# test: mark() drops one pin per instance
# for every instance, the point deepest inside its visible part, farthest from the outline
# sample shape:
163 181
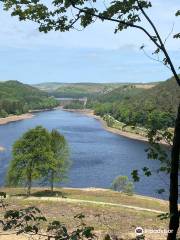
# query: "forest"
17 98
155 107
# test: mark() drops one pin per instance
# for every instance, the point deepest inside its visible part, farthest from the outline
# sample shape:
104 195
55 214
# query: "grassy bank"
105 210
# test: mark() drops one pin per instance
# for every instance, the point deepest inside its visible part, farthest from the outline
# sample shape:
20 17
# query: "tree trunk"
29 184
173 196
52 181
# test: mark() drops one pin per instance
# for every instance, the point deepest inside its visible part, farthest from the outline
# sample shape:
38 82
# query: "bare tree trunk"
29 184
173 196
52 181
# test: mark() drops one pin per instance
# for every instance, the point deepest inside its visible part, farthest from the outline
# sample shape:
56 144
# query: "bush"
122 184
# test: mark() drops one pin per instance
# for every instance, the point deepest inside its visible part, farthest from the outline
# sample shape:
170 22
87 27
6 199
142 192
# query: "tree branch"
119 21
161 44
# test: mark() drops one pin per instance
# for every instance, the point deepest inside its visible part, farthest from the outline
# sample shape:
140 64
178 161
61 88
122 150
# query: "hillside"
120 93
79 90
131 105
18 98
164 97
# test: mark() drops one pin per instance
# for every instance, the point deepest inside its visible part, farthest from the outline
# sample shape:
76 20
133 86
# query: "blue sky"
93 55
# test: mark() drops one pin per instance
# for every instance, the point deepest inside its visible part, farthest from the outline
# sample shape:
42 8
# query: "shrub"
122 184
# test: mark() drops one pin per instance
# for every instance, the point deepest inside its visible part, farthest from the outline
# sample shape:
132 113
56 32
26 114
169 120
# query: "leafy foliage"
56 172
122 183
75 104
31 157
38 155
59 19
26 220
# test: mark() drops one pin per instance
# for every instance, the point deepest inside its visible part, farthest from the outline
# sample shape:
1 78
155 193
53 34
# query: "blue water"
97 155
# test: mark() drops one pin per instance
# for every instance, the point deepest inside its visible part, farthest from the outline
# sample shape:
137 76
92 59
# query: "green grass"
91 195
104 218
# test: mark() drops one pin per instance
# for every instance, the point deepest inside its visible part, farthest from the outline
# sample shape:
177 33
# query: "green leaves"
58 230
61 18
177 13
2 195
122 184
27 220
135 175
164 216
146 171
87 16
177 35
35 154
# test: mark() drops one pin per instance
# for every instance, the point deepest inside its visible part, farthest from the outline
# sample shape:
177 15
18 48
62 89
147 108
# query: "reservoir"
97 155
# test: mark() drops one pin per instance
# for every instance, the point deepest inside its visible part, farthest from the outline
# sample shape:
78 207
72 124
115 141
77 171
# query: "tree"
31 157
122 184
59 167
125 14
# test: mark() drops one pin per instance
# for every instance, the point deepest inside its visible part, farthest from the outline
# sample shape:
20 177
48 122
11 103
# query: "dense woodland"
155 107
18 98
76 104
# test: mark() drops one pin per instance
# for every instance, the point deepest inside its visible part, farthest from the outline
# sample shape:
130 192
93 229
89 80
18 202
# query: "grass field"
107 211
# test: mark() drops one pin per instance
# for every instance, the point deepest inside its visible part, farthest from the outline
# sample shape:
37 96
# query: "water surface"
98 156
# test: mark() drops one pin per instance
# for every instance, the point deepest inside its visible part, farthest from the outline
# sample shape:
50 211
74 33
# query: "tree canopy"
57 172
38 155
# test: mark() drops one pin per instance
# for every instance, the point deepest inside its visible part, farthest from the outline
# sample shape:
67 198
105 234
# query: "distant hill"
17 98
49 86
120 93
163 97
79 90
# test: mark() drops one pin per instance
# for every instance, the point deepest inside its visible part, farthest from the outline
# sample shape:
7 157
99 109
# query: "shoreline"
14 118
28 115
90 113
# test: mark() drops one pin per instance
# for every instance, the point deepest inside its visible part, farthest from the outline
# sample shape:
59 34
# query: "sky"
95 54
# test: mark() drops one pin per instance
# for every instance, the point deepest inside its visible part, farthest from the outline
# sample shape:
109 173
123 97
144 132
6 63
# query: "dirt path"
70 200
